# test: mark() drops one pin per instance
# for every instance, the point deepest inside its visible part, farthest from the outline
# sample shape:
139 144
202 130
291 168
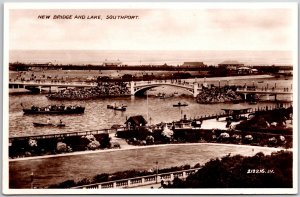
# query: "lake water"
57 169
97 116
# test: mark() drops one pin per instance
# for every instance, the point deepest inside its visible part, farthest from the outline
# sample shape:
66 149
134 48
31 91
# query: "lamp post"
147 107
181 114
31 180
156 170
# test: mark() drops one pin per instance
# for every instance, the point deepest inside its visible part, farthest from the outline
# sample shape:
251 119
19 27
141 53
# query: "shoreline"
131 147
238 77
206 79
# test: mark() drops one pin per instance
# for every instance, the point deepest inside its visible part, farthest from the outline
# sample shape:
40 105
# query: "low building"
112 63
135 121
244 70
235 112
254 70
231 65
193 64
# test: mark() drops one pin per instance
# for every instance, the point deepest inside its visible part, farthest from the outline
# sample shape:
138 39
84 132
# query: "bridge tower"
196 92
132 88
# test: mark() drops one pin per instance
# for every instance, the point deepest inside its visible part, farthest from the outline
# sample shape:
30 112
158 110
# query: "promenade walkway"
23 84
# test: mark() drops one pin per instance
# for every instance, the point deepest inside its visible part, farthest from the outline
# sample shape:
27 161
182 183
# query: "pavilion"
236 111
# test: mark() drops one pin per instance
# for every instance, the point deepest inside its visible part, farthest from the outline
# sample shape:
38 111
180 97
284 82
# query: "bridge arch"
141 89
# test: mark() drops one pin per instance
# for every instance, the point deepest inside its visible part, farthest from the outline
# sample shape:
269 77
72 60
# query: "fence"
140 181
250 110
62 135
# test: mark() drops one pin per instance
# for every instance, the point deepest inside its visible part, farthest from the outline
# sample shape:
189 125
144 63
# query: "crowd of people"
217 95
55 108
103 89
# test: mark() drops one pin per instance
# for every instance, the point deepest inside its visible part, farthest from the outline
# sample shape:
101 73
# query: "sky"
154 29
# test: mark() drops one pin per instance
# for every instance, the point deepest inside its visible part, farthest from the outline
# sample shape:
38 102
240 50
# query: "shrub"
61 147
32 143
236 172
93 145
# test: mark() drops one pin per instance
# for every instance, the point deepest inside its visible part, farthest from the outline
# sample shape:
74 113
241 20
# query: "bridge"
37 85
265 91
136 88
139 88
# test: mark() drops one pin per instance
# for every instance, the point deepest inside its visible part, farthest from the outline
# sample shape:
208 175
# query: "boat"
252 103
122 108
159 94
164 96
110 107
179 104
118 108
37 124
54 109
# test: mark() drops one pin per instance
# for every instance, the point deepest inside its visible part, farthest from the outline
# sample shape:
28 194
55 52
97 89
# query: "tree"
259 171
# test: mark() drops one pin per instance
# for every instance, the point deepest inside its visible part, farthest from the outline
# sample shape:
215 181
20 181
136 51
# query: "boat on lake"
55 109
117 108
179 104
37 124
252 102
164 96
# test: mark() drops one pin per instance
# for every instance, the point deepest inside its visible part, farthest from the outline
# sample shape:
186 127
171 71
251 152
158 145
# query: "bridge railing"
265 89
50 83
250 110
140 181
161 82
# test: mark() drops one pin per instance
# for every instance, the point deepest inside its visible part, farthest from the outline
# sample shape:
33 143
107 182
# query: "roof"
193 62
231 62
136 119
244 68
112 62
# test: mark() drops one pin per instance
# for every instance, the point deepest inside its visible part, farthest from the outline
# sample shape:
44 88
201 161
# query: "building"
112 63
135 121
254 70
244 70
193 64
236 111
231 65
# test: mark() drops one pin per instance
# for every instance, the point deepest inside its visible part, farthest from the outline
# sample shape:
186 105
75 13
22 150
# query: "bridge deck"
264 91
49 84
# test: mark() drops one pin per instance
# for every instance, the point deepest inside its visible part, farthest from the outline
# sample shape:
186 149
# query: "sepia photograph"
150 98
